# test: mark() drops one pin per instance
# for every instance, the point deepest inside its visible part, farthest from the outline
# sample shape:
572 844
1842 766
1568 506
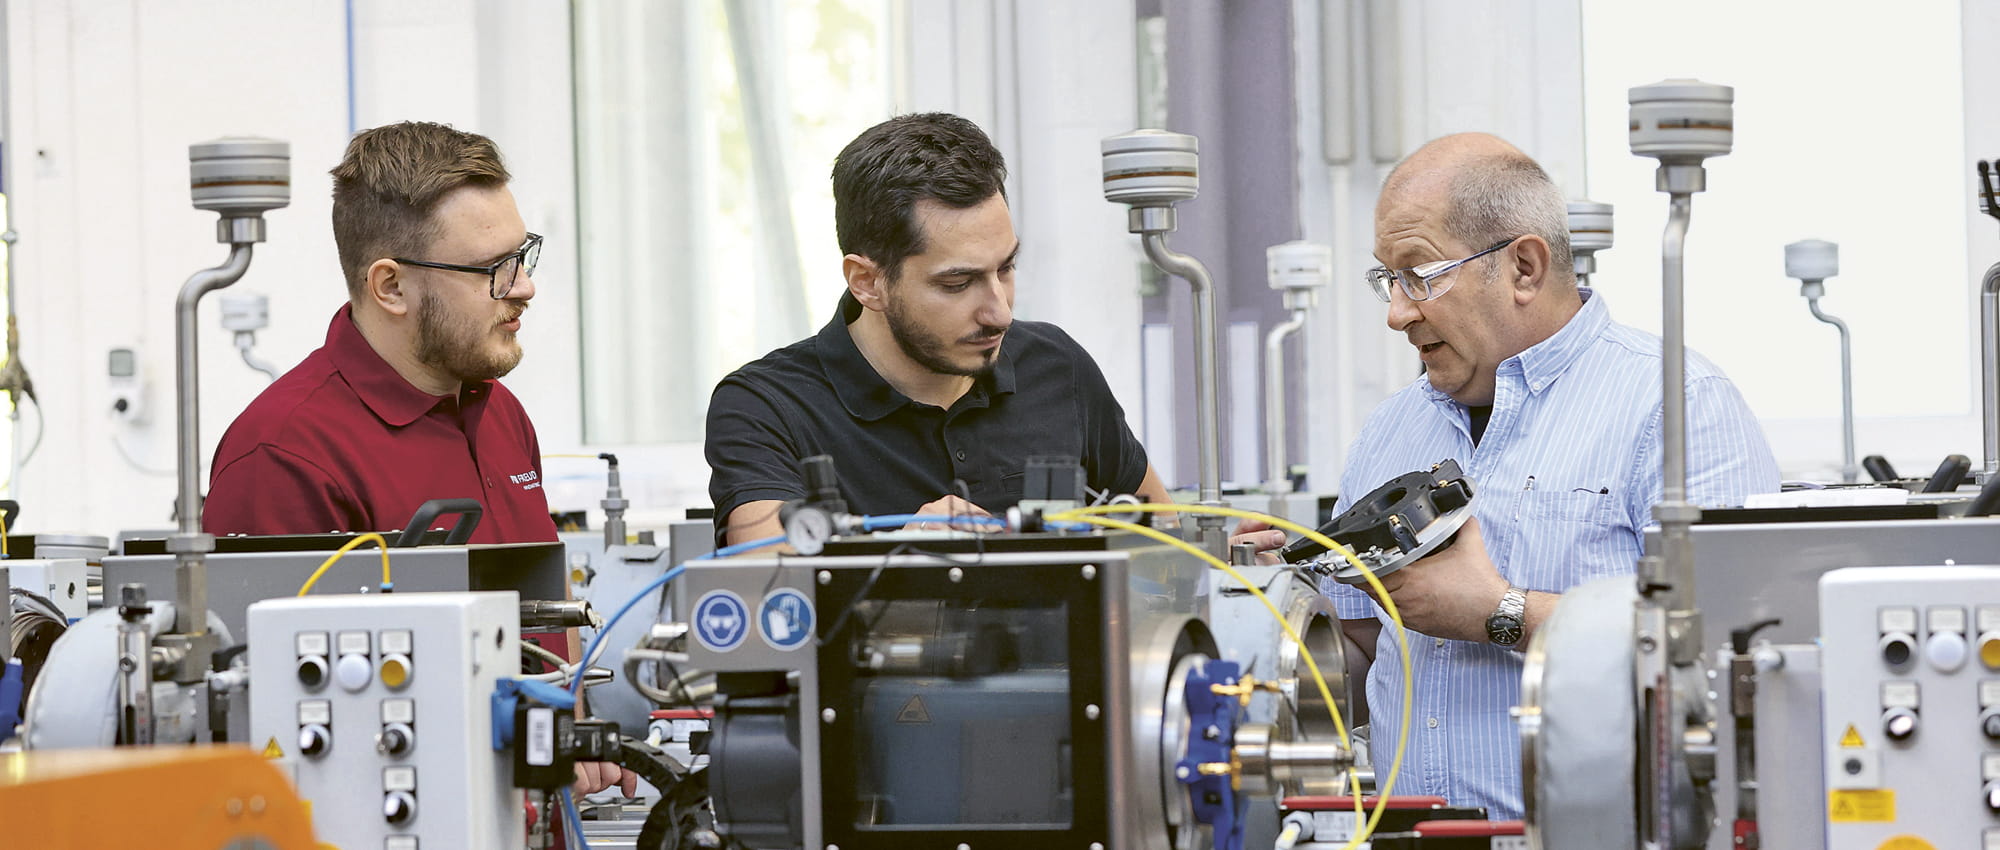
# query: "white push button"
353 672
1946 651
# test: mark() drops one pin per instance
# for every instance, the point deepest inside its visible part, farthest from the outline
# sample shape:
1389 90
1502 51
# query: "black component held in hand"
1878 468
1391 516
1949 474
468 510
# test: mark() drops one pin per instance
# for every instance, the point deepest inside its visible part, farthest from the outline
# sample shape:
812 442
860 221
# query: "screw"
826 715
1648 643
1211 734
1089 572
1853 767
1091 711
1096 846
964 847
1181 772
825 576
956 575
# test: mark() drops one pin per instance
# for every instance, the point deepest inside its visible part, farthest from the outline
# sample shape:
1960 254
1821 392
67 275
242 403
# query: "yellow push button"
395 671
1989 650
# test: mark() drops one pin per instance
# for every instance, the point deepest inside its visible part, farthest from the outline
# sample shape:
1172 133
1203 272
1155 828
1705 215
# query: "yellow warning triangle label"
914 712
1852 740
271 749
1843 810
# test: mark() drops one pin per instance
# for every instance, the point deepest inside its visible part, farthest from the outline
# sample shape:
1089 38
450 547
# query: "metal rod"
189 544
1673 337
1208 414
1276 473
1849 471
1989 366
135 668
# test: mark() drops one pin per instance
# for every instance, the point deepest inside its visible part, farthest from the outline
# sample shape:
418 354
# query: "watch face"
1502 630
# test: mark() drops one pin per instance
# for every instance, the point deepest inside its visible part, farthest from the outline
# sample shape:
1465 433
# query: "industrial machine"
1795 678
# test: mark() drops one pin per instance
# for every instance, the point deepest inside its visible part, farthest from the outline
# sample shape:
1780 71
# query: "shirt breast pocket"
1563 537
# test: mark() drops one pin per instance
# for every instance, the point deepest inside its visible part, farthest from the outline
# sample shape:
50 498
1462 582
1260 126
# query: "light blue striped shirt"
1566 476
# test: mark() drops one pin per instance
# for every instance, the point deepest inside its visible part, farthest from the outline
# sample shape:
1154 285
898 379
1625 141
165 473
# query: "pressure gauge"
808 529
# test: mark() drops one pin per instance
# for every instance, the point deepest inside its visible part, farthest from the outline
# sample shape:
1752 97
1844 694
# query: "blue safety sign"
721 621
785 620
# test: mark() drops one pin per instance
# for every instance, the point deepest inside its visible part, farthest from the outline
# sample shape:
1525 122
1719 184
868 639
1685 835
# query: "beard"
457 345
932 351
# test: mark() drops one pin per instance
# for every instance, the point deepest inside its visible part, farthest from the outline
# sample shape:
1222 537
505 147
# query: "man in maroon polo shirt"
402 404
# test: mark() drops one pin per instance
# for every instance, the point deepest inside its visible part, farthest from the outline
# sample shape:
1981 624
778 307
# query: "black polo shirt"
1044 396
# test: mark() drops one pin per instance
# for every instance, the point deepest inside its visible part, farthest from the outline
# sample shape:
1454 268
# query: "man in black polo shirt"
923 379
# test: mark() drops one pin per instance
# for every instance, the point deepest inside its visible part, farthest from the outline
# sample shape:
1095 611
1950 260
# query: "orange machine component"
198 798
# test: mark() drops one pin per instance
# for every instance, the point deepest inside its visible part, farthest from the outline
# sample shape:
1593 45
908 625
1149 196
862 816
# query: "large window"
706 131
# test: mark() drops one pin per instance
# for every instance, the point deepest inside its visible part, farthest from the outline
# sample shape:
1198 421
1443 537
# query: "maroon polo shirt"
343 443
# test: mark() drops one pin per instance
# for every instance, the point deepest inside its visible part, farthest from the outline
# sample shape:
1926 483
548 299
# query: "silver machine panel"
238 579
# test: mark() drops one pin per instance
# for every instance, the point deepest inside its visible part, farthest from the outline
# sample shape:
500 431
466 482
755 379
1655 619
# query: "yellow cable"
3 535
1090 514
351 545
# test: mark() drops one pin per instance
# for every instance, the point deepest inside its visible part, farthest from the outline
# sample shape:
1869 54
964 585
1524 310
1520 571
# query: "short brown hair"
391 180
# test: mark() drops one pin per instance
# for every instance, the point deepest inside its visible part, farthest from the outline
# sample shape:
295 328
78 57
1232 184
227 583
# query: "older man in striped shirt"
1553 408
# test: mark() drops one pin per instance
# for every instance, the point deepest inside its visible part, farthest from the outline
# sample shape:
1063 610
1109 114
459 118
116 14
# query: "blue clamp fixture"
1208 770
10 697
507 693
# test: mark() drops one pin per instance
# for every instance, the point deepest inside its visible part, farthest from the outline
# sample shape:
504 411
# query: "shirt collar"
394 400
863 391
1542 363
1546 361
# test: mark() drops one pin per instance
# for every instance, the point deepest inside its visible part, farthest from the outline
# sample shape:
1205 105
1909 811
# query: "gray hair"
1500 197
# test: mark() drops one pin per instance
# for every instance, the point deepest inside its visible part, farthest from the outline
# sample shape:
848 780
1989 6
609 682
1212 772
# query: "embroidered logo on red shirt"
528 480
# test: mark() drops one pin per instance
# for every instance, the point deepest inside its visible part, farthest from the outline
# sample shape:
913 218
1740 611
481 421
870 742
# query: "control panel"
1911 713
377 706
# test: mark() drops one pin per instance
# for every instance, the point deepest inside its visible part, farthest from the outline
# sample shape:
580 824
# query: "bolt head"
956 575
1089 572
825 576
826 715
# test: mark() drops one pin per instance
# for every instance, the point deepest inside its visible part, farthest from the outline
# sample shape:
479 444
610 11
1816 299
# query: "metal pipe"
1849 471
246 345
189 543
1673 338
1207 409
1989 367
1276 473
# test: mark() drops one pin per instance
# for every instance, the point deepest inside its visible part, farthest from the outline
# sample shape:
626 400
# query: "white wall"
1868 154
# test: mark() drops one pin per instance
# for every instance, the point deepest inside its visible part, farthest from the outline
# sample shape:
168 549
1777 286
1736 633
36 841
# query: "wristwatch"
1503 628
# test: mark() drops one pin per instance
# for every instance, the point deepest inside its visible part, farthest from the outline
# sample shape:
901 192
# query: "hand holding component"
1450 593
1260 534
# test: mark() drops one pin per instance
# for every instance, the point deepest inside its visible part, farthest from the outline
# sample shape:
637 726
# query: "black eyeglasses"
500 276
